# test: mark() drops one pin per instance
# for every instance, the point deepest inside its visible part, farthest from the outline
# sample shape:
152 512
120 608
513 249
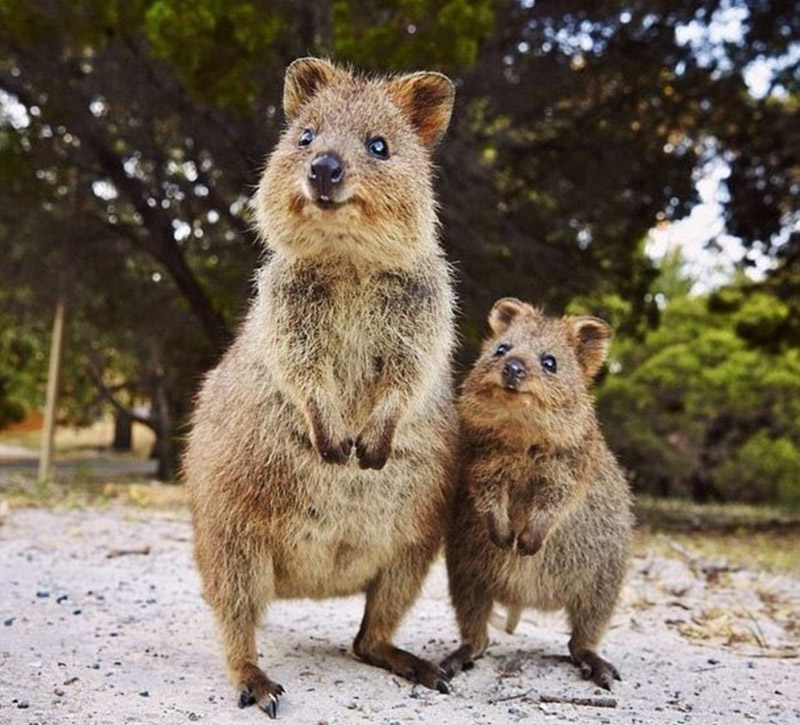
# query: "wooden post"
51 404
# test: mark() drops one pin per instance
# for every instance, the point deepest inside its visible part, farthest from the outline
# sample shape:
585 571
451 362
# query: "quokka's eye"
378 148
306 137
549 363
502 349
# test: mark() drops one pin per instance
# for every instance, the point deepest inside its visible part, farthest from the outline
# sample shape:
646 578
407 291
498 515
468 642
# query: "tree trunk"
123 431
51 405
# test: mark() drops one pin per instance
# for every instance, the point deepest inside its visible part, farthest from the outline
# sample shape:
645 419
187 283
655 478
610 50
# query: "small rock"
713 661
42 594
8 622
144 693
193 717
77 611
23 704
62 598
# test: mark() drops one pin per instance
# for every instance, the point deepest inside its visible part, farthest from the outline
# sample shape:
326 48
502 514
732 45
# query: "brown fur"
320 461
542 515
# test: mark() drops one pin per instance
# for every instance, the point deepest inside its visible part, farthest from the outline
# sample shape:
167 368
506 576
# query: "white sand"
90 639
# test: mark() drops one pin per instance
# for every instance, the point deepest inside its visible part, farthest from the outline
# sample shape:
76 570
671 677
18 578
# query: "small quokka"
321 458
542 516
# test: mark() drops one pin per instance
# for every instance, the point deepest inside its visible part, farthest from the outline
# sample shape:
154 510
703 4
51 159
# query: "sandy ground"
88 638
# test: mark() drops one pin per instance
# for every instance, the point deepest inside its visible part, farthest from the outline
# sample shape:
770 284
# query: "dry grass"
23 491
72 442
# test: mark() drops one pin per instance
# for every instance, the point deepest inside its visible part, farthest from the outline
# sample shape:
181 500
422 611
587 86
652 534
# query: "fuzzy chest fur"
358 331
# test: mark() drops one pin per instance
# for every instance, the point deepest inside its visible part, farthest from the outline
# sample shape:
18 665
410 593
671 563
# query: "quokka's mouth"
328 204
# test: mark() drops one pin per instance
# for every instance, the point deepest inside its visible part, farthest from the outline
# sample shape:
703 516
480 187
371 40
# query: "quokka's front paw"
333 447
374 444
531 538
499 528
336 452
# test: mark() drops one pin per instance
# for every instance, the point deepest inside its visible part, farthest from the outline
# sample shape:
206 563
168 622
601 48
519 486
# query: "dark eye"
378 148
502 349
306 137
548 363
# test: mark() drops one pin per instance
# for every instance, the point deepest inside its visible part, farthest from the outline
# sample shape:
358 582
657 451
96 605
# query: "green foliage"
411 34
763 469
699 408
22 366
216 45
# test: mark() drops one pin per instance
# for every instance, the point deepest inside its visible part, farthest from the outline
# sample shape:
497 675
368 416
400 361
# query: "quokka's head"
533 367
351 174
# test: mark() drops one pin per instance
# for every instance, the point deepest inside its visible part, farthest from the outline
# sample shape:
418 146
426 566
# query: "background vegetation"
132 133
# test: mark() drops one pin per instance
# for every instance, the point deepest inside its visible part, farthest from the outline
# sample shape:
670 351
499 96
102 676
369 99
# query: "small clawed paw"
500 532
432 677
373 457
336 453
601 672
458 661
259 690
530 541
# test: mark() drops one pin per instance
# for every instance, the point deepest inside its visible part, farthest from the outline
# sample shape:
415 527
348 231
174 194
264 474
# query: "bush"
763 469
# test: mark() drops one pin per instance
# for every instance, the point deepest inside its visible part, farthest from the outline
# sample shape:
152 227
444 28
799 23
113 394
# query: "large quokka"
321 456
542 514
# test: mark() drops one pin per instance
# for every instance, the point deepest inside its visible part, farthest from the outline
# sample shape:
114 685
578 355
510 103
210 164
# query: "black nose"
513 372
326 172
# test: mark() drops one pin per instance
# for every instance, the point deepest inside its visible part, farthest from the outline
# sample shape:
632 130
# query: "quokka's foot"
458 661
255 688
409 666
595 668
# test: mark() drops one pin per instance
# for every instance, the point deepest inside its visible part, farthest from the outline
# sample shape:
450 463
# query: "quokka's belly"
529 581
338 541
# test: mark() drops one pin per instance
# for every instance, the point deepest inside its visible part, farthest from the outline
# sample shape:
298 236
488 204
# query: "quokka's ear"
427 101
591 337
305 77
503 313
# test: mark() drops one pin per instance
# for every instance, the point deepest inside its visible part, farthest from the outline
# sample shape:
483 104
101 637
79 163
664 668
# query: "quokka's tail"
513 614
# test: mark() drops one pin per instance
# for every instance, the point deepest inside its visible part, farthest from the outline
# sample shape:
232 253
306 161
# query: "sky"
710 254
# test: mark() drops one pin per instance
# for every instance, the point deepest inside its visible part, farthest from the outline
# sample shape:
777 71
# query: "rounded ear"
427 100
503 313
591 338
304 78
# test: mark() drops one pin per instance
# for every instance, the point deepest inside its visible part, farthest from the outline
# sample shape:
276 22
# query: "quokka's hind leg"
389 597
473 602
239 585
589 617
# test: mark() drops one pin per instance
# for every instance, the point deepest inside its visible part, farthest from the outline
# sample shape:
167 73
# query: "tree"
132 133
702 407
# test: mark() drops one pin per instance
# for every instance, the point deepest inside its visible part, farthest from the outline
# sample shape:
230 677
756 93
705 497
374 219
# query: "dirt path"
85 638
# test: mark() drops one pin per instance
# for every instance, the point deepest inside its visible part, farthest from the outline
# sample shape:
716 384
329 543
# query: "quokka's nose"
325 173
513 372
